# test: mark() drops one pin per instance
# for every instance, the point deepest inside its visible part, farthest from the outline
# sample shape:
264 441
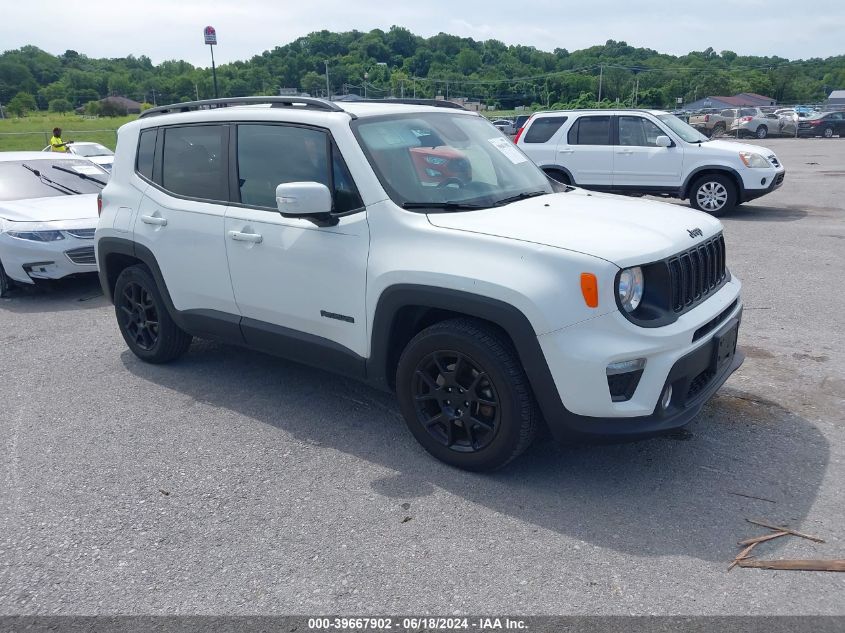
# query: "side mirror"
307 200
663 141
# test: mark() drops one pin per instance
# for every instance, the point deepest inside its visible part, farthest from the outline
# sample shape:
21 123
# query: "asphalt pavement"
236 483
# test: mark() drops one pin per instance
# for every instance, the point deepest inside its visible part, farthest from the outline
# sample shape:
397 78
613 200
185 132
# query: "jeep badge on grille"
696 232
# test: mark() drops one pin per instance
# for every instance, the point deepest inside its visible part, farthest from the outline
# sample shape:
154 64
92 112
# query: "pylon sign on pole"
210 35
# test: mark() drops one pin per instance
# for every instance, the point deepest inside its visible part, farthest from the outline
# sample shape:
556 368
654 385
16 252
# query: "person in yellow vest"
56 142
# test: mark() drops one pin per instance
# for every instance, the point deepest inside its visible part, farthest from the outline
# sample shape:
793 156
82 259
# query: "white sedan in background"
48 214
94 152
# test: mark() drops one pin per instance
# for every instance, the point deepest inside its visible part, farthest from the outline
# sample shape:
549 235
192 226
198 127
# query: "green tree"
60 105
21 104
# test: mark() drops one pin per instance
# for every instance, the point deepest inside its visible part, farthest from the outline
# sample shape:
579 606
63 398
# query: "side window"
637 131
727 113
269 155
345 194
590 130
544 128
193 163
146 153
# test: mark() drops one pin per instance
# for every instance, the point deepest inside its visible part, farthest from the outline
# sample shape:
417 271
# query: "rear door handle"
255 238
625 151
154 219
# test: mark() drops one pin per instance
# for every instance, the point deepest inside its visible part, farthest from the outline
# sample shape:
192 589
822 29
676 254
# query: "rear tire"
718 130
762 132
828 132
465 396
714 194
144 321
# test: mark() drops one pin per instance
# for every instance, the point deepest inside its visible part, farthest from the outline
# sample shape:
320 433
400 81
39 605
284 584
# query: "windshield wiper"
459 206
81 175
51 183
521 196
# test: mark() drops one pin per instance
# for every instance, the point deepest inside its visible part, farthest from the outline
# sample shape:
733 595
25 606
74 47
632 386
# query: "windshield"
19 183
447 160
93 149
686 132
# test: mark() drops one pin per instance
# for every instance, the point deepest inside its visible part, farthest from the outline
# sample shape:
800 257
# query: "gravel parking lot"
232 482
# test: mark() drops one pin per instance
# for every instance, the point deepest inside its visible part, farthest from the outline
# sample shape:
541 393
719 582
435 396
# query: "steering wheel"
449 182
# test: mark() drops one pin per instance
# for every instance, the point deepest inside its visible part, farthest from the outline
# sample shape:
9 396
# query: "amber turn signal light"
590 289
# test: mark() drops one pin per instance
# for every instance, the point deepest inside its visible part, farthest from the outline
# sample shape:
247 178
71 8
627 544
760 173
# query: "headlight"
37 236
753 160
630 287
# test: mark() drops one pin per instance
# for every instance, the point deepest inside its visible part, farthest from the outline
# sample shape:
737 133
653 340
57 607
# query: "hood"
52 209
625 231
735 148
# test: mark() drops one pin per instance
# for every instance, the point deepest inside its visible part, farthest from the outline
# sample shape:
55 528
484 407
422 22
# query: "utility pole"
197 90
601 76
415 87
328 87
210 36
366 77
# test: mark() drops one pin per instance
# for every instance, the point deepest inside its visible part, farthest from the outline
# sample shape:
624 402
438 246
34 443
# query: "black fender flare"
548 168
509 318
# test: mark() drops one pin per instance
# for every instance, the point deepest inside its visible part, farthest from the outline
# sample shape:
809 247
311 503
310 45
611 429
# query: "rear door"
639 162
180 218
587 151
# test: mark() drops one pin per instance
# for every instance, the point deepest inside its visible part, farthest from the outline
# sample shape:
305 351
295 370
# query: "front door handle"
255 238
625 151
567 150
154 220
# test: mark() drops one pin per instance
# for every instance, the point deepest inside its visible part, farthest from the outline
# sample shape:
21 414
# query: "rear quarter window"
146 153
543 129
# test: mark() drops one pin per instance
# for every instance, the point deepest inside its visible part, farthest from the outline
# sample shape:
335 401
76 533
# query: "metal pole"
601 76
213 70
328 88
415 87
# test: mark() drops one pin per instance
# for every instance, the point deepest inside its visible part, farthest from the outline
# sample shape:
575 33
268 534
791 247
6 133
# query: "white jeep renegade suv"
648 152
416 248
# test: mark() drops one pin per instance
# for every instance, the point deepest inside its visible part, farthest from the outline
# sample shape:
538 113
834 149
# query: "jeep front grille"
695 273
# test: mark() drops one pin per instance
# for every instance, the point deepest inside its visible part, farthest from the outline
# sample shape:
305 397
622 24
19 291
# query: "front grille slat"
695 273
82 256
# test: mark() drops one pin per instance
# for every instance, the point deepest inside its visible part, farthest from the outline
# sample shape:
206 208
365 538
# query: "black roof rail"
437 103
276 102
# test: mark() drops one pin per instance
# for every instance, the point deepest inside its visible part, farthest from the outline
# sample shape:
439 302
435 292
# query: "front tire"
714 194
144 321
5 283
465 396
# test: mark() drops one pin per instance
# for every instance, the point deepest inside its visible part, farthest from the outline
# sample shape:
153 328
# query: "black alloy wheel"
139 315
465 396
456 402
143 318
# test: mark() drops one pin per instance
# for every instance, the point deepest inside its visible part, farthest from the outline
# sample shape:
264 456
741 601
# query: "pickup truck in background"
717 124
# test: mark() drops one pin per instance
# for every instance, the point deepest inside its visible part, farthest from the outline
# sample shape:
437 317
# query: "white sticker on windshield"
88 170
508 149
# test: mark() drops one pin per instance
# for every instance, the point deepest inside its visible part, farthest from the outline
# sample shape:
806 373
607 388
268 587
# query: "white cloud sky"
172 29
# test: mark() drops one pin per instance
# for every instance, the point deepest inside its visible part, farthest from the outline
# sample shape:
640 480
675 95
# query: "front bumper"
774 180
25 260
677 354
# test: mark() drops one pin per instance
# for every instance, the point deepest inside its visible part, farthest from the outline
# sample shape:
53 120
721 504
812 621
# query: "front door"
639 162
296 284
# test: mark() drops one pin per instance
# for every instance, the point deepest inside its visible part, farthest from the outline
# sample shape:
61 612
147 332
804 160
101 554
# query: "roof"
123 102
837 94
743 99
604 111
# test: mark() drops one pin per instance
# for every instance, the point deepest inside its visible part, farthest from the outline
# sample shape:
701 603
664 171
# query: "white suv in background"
648 152
417 249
